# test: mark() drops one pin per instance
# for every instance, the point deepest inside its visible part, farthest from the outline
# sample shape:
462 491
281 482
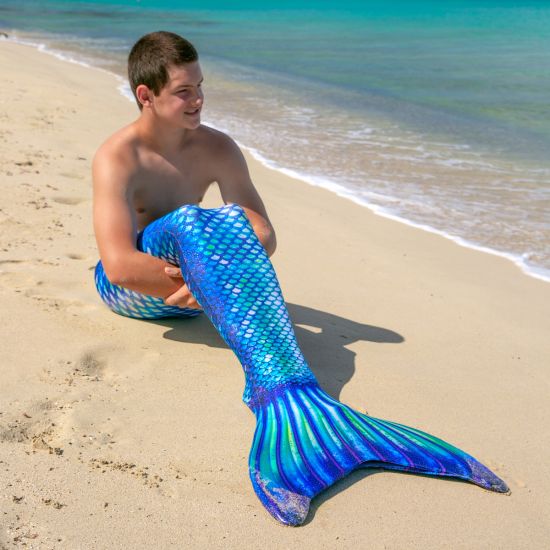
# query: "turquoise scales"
304 439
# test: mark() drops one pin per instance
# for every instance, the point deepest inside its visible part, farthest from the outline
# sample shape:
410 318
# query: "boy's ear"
144 95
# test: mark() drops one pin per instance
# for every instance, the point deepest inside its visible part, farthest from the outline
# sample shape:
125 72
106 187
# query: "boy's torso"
159 184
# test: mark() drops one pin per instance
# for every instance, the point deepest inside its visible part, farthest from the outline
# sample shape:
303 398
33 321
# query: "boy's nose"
199 98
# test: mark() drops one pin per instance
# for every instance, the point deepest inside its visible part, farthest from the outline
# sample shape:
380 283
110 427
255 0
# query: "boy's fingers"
173 271
182 298
177 297
192 303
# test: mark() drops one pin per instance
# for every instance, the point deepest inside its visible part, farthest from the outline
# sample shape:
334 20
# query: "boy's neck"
160 138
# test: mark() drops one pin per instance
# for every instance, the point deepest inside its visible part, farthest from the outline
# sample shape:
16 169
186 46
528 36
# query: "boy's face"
180 101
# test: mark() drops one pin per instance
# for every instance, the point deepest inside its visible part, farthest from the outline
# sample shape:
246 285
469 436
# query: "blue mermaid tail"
304 440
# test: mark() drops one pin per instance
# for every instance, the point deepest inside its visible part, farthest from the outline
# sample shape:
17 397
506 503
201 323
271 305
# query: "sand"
119 433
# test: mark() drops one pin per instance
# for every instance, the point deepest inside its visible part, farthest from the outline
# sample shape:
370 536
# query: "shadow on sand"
322 337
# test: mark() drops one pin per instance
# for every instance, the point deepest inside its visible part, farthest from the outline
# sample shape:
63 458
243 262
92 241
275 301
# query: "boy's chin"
192 123
187 125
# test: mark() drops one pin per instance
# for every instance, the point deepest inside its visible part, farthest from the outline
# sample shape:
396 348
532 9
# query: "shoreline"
536 272
107 423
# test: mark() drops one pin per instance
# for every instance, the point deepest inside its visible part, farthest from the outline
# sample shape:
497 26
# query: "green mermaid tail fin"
305 441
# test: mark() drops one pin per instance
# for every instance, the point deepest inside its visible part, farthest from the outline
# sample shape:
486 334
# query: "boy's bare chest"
162 187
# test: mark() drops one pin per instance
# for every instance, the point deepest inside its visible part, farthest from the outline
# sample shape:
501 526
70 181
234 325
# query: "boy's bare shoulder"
217 140
122 145
222 151
118 155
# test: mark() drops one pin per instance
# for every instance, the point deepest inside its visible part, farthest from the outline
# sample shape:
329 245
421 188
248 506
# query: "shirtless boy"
161 161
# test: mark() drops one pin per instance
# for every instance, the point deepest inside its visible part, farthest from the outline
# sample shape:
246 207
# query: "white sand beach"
120 433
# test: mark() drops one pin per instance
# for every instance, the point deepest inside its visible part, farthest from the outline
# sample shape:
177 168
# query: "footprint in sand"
56 303
91 365
50 424
49 295
17 280
28 278
36 423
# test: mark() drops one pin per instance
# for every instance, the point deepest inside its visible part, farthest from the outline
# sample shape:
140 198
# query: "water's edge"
124 89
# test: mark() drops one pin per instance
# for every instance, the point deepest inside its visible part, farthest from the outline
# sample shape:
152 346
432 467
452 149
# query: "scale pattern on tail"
304 439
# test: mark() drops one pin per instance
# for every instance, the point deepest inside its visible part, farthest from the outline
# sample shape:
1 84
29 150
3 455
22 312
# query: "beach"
120 433
421 111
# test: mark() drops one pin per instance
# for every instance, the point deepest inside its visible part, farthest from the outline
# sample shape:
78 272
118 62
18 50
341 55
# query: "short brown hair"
151 56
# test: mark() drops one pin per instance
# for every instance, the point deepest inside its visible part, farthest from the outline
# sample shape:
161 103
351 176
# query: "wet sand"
119 433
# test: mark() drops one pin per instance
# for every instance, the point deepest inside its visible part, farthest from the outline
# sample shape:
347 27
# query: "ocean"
432 113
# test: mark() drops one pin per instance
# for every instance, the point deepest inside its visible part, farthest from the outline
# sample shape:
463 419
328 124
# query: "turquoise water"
433 112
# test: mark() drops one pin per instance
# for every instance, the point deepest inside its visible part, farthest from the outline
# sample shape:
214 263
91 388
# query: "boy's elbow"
266 236
114 271
115 277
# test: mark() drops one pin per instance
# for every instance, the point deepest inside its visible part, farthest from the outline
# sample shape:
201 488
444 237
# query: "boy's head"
152 55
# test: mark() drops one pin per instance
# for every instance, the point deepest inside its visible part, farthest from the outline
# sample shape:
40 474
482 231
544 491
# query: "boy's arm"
116 231
237 187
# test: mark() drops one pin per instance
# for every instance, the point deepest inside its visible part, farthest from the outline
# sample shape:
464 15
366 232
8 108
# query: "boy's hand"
182 297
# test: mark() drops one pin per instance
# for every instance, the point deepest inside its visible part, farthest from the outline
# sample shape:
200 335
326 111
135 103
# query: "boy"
163 160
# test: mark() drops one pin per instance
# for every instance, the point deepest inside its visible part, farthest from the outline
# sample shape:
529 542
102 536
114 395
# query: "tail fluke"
305 441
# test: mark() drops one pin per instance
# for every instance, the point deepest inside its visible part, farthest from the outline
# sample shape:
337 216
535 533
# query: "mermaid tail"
304 440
